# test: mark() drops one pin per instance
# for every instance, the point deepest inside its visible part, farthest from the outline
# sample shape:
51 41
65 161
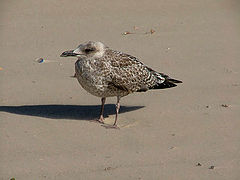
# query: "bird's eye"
88 50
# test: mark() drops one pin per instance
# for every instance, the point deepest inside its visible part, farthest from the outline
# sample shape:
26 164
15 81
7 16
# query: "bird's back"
130 74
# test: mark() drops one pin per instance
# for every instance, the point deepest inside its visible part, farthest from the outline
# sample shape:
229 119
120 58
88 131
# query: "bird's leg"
117 110
102 109
115 122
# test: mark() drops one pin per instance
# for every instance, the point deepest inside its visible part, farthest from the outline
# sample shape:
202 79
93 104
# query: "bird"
104 72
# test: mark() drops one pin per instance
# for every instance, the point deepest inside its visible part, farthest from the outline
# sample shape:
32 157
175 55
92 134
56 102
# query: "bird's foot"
108 126
99 120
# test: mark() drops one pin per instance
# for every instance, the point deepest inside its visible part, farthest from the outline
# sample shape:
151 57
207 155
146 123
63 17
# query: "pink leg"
102 109
117 111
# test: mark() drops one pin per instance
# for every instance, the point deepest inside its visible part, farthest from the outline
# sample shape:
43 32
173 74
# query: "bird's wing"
129 74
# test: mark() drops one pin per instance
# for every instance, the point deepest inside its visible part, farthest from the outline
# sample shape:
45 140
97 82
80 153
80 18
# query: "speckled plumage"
104 72
114 74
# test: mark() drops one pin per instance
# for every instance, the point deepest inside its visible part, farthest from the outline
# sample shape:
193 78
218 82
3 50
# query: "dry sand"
45 132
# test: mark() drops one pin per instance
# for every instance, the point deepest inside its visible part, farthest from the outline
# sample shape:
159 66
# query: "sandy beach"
189 132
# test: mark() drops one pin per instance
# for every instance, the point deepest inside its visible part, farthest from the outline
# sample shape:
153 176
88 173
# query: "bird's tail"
165 84
164 81
174 80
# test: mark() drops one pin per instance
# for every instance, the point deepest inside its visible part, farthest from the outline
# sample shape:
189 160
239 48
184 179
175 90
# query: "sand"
177 133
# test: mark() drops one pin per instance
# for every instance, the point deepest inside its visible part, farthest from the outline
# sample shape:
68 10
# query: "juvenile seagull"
104 72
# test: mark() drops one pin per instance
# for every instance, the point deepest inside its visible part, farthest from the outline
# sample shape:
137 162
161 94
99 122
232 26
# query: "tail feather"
164 85
164 80
174 80
167 83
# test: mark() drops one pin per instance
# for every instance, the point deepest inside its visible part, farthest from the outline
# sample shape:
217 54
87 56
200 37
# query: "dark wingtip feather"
174 81
164 85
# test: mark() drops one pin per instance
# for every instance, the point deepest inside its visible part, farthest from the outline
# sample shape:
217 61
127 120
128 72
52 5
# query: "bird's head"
88 49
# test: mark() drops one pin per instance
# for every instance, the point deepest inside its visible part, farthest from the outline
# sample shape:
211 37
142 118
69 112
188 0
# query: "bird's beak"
68 53
76 52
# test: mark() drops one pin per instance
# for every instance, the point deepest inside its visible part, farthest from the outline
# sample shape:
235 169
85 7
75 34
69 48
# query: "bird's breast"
92 68
93 76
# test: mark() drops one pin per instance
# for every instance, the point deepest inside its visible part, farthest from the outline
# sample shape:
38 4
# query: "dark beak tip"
63 55
67 53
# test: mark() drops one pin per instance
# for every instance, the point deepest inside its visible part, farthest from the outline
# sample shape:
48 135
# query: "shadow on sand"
76 112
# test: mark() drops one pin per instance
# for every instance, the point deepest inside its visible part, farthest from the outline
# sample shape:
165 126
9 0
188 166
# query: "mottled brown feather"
129 72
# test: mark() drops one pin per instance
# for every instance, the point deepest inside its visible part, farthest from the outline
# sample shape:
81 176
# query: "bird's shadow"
74 112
